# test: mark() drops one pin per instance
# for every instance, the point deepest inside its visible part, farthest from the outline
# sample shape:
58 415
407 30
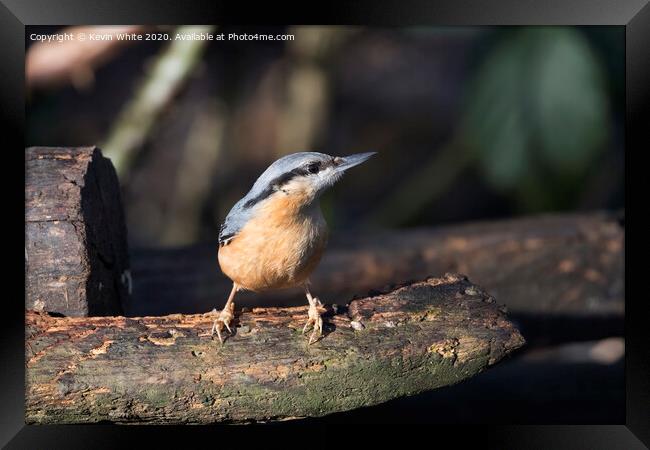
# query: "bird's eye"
313 167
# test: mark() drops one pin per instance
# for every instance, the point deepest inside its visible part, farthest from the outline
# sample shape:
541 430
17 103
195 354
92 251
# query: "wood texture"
412 338
558 265
76 257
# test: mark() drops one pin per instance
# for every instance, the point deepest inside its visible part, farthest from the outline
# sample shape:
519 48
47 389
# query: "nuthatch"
274 237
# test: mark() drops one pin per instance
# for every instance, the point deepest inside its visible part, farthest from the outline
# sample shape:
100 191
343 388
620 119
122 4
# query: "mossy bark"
413 338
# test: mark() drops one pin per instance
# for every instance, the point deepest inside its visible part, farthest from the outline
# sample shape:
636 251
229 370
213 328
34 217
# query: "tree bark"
76 257
560 265
400 342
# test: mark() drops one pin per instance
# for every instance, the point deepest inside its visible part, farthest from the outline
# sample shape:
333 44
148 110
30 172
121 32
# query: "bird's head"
304 176
297 179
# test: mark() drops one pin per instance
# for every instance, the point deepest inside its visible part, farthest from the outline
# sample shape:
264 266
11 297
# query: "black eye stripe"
283 179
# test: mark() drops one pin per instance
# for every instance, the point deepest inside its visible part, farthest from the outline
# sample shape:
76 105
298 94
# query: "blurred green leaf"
568 97
537 98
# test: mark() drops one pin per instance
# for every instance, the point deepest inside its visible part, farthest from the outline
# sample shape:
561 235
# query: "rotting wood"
76 256
413 338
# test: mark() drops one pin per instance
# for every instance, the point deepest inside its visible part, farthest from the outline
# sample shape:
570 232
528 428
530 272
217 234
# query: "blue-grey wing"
234 222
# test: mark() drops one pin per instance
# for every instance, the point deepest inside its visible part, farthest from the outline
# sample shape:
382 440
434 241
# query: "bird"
274 236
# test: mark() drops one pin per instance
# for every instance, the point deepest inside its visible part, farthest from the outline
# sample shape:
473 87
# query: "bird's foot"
224 319
314 319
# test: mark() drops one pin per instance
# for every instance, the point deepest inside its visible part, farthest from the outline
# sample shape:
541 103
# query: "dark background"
509 120
470 123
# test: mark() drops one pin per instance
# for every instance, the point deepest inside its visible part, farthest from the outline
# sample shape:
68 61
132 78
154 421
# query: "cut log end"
414 338
76 256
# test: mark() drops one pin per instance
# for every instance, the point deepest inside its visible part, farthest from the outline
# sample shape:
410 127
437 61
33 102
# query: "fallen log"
568 384
413 338
76 256
567 265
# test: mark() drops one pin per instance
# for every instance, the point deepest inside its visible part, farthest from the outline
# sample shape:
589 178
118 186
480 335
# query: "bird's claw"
314 319
226 316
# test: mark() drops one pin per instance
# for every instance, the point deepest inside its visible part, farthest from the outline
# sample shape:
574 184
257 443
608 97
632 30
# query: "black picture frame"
634 15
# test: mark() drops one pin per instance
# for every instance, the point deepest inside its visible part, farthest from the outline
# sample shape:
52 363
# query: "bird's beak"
343 163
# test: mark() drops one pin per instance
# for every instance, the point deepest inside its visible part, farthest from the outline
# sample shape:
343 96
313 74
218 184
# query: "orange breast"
280 247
